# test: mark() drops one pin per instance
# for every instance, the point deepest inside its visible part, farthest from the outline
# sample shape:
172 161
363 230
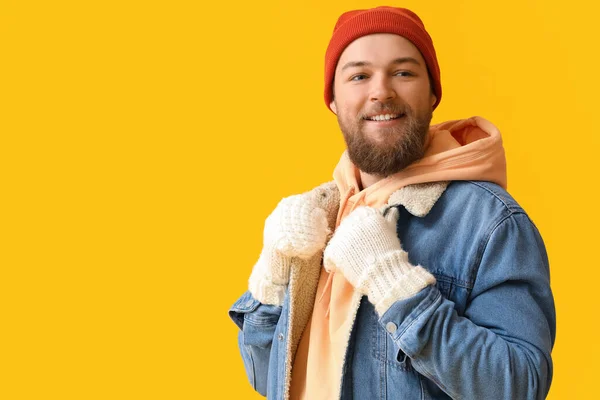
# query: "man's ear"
333 108
433 99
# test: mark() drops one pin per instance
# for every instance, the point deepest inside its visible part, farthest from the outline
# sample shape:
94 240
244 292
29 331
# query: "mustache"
386 108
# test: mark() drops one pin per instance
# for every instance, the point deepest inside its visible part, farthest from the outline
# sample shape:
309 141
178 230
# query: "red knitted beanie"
401 21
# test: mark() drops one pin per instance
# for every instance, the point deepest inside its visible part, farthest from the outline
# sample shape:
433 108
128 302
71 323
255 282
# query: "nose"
382 90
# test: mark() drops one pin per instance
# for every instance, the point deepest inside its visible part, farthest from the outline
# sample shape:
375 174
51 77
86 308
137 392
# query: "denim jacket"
484 331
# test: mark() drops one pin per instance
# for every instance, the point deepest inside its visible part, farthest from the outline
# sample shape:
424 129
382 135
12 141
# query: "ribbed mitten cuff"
391 277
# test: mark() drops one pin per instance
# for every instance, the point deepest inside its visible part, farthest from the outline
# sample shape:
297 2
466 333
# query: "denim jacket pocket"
455 290
244 305
260 325
248 309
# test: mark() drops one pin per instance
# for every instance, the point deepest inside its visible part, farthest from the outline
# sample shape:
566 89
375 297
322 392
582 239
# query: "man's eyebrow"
400 60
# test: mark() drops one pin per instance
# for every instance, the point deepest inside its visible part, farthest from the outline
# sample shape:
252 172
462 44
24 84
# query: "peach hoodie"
469 149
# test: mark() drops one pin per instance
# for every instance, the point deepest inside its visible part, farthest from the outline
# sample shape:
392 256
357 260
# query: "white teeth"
383 117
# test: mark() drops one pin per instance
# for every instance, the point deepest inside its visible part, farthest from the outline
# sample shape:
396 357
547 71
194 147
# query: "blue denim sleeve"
257 323
501 347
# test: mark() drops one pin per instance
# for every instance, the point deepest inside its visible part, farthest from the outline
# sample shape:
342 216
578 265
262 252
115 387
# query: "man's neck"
367 180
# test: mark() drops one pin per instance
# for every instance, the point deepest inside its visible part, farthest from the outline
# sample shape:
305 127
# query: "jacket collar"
418 199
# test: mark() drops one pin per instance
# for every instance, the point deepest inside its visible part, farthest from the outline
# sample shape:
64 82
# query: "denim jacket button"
280 337
391 327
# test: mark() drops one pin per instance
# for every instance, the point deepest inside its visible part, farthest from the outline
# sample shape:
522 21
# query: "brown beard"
384 159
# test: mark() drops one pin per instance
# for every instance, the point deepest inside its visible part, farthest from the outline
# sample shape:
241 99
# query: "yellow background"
143 143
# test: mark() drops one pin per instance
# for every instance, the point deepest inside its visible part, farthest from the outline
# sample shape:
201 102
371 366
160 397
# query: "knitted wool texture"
400 21
366 249
296 228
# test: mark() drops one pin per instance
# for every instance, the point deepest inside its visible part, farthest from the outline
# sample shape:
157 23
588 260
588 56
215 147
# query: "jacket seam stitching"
485 242
450 280
494 194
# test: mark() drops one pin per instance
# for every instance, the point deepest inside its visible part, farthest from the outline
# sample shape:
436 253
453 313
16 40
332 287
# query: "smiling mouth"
383 117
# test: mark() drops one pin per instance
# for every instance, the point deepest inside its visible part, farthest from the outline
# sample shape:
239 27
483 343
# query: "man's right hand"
297 227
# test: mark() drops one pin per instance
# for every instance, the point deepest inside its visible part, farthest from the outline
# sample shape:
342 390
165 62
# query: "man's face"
383 76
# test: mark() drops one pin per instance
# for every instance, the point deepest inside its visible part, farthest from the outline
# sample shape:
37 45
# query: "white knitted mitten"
296 228
366 249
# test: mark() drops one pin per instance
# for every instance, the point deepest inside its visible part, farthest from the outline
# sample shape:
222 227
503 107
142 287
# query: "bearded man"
412 275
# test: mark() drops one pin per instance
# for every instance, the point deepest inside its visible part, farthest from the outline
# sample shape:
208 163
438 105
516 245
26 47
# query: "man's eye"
358 77
403 73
